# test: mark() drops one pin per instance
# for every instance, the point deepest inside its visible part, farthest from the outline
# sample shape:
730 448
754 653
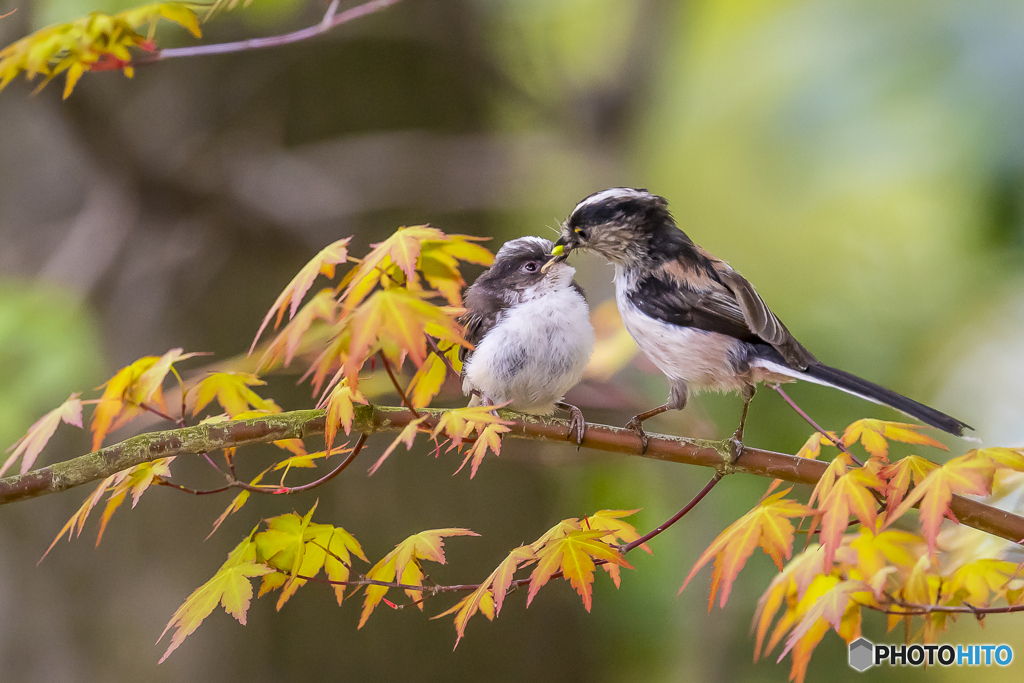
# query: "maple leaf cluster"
97 42
901 573
292 551
397 303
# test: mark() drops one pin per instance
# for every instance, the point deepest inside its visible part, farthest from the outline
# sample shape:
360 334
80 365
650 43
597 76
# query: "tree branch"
372 419
331 20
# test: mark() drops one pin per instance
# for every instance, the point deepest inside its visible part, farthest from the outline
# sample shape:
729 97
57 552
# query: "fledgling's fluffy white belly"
536 352
700 358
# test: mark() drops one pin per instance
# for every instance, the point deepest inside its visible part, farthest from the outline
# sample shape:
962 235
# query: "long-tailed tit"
695 317
530 327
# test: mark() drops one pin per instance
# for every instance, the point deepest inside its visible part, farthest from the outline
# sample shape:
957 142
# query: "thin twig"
159 413
270 489
676 517
398 387
330 21
805 416
432 343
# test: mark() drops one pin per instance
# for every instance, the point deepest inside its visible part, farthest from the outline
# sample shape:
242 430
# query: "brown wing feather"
761 320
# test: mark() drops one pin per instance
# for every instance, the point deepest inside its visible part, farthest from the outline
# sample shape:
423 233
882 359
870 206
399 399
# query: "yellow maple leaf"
767 526
430 377
31 445
573 554
231 389
281 545
875 435
977 582
95 42
231 587
323 263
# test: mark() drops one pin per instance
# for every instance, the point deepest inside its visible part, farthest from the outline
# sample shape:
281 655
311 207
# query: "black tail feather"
873 392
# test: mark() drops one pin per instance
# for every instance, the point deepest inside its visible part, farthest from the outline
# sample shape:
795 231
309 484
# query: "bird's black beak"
559 252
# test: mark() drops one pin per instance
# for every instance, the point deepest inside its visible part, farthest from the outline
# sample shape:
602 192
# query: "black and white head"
625 225
519 272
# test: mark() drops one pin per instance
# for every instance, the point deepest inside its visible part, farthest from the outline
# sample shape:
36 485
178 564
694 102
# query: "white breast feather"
549 337
700 358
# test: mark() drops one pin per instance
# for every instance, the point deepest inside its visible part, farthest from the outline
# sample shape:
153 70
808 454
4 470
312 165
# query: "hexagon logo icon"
862 654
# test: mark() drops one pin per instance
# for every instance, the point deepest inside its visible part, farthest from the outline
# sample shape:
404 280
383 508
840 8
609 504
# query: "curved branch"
371 419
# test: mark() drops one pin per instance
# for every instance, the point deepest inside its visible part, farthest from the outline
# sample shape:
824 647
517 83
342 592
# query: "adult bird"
530 328
695 317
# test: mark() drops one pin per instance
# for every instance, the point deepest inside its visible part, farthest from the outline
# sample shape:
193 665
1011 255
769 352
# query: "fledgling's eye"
530 267
581 233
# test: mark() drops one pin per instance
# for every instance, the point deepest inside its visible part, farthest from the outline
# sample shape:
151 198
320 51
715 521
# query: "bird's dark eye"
530 267
581 233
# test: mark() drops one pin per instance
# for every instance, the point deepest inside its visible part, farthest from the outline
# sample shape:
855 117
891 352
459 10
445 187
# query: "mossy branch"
372 419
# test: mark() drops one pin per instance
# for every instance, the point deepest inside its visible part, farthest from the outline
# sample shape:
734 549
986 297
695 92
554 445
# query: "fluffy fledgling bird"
530 327
695 317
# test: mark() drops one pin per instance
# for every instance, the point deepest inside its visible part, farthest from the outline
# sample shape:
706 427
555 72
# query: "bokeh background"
862 163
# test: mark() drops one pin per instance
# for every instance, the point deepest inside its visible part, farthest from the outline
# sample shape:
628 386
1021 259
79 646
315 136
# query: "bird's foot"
577 423
735 446
637 426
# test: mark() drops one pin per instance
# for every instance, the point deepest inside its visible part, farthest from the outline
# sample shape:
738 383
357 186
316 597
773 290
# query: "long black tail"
872 392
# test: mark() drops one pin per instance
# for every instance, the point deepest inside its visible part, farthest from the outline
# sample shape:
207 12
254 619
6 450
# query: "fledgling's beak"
559 253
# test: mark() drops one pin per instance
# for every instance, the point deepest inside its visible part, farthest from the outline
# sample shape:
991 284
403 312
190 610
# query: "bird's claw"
735 446
577 423
637 426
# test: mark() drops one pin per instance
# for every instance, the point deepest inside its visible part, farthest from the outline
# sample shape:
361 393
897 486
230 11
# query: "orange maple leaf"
29 446
322 307
850 494
340 411
899 476
966 474
767 526
396 322
402 565
74 526
406 436
322 264
875 435
489 595
134 481
401 249
133 385
574 554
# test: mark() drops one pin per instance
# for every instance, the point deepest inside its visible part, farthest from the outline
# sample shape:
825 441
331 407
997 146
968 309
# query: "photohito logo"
864 654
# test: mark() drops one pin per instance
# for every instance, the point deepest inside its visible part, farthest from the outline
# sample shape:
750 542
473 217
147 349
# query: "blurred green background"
861 162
